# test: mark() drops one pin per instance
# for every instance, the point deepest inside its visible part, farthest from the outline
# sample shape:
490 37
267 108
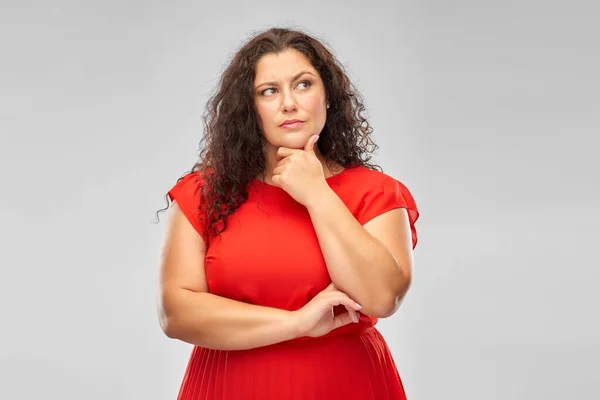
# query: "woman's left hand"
300 173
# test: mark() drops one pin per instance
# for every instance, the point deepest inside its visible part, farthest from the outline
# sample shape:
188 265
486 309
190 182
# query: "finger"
340 298
283 152
341 320
283 161
278 170
275 179
353 314
352 304
310 144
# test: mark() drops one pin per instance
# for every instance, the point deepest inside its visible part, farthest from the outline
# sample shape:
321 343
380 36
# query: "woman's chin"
294 140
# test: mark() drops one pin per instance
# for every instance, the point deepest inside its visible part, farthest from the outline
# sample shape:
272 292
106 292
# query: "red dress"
269 255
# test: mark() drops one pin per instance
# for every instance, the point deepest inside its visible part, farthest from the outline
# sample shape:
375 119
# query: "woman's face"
287 87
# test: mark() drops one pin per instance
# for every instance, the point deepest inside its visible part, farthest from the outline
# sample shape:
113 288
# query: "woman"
284 245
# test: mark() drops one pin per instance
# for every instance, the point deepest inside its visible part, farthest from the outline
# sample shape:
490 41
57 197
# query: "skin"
372 263
279 97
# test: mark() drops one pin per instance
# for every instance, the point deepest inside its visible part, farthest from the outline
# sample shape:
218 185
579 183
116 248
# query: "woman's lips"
292 125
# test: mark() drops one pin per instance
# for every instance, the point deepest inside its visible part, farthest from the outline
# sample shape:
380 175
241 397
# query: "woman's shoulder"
188 187
192 180
195 174
370 193
367 177
365 182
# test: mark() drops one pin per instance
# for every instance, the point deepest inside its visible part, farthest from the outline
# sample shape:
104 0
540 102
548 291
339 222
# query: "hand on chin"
299 172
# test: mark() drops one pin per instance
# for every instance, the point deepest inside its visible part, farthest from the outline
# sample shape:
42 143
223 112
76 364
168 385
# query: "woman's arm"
220 323
371 263
188 313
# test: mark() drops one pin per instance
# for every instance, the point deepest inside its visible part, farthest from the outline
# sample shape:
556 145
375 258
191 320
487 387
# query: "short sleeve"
186 193
390 195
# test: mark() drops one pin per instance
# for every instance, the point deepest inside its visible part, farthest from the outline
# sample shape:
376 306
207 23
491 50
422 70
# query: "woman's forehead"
286 65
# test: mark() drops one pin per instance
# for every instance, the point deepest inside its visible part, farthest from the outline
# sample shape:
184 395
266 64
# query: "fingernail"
358 305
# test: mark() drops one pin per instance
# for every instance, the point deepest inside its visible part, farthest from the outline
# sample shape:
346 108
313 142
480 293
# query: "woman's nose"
289 103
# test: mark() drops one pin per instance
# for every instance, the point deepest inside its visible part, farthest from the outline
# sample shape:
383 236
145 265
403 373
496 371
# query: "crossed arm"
373 263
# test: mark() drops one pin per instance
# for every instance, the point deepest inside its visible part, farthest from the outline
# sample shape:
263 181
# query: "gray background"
486 110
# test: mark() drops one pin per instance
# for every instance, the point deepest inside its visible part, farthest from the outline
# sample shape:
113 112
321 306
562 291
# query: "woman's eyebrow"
293 79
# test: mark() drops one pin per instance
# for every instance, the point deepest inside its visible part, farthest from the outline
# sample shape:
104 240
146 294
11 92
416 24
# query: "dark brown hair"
232 146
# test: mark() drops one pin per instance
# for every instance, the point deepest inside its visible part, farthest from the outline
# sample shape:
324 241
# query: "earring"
327 105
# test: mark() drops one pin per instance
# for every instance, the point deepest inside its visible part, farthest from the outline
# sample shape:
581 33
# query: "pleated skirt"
346 367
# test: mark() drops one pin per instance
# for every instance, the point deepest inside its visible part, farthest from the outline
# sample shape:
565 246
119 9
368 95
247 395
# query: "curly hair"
231 152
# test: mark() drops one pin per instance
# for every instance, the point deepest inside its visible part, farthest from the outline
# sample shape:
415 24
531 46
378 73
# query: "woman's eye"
264 92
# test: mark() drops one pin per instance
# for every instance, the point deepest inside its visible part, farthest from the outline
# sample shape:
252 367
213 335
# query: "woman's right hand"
316 318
